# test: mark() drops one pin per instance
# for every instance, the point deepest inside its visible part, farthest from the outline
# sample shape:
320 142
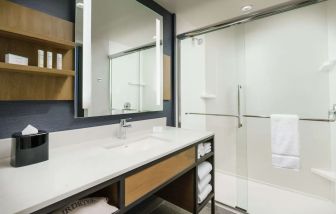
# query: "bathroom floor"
159 206
167 208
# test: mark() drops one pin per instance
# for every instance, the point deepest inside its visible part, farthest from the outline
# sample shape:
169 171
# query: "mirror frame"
168 71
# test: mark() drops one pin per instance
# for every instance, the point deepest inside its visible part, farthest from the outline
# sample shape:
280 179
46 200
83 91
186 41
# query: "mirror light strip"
158 62
87 54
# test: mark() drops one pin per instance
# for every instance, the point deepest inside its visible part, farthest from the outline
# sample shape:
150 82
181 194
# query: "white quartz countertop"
79 166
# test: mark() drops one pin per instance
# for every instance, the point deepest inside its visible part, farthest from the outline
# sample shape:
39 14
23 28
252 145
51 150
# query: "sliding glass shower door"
212 68
232 80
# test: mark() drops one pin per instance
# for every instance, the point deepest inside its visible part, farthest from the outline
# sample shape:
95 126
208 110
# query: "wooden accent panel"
152 177
181 192
23 19
13 33
23 31
167 90
34 87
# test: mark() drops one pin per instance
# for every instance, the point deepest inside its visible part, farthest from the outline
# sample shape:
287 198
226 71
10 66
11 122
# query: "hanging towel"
202 196
285 141
203 170
203 183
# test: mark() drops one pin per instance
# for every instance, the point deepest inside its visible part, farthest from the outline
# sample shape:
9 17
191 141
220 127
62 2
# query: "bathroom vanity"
162 163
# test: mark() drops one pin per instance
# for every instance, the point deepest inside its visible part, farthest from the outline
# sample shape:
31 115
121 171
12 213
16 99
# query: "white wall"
149 76
283 57
332 77
125 70
193 84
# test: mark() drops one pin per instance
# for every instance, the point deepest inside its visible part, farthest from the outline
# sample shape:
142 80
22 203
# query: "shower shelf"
327 174
208 96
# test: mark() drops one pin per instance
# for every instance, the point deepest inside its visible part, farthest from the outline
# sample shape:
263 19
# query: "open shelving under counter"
26 69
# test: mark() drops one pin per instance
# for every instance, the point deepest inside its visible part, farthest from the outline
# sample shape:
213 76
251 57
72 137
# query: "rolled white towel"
206 151
203 170
200 150
203 183
202 196
207 145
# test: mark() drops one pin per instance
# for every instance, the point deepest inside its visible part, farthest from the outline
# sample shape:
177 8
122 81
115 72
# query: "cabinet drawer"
142 182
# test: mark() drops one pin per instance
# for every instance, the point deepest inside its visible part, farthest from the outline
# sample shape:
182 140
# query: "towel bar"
332 114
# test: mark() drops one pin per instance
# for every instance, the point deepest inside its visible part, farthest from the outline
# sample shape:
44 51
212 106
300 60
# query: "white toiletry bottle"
59 61
40 58
49 59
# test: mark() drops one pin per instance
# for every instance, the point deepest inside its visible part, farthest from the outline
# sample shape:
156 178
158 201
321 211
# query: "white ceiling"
193 14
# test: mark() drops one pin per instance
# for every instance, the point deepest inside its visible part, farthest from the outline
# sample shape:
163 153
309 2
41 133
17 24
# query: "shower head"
197 41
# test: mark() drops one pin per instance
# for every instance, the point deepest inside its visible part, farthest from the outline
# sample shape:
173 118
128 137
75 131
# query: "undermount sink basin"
139 144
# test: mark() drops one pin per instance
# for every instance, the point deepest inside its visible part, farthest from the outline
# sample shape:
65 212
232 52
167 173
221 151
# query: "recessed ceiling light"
247 8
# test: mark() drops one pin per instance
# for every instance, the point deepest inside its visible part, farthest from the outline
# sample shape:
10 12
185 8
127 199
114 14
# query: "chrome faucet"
123 125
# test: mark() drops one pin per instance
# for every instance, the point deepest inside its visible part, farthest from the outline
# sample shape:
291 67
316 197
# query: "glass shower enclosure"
232 79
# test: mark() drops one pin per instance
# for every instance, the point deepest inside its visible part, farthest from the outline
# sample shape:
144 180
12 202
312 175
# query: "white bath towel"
88 206
203 183
202 196
203 170
207 150
207 145
200 150
285 141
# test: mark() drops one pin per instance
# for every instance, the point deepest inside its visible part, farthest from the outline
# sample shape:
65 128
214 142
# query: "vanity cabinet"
172 178
146 180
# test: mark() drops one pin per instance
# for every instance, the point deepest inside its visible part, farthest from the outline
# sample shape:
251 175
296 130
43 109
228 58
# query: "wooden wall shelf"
5 67
24 31
51 42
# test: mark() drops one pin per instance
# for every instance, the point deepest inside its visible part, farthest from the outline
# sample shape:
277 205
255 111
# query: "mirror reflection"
119 49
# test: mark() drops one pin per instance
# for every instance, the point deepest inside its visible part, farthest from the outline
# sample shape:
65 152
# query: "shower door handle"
240 116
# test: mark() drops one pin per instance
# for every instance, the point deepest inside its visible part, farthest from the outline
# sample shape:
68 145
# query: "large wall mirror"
119 58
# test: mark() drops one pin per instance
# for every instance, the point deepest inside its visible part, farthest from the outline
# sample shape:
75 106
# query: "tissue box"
29 149
15 59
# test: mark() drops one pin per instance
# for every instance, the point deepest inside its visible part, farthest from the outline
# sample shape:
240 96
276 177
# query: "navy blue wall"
59 115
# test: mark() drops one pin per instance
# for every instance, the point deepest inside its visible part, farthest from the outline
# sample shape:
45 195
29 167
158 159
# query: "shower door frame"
281 8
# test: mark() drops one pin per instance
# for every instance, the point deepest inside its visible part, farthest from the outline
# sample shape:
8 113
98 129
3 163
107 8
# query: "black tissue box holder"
29 149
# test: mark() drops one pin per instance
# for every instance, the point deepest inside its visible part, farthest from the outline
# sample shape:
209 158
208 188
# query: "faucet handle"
123 122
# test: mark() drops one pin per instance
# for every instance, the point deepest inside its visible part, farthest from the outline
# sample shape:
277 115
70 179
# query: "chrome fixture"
123 125
332 116
240 119
247 8
284 7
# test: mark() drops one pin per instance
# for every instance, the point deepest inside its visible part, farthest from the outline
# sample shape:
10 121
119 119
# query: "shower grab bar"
219 115
305 119
332 113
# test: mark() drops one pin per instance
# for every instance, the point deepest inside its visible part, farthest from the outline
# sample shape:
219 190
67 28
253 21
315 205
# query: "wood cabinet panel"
140 183
167 81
